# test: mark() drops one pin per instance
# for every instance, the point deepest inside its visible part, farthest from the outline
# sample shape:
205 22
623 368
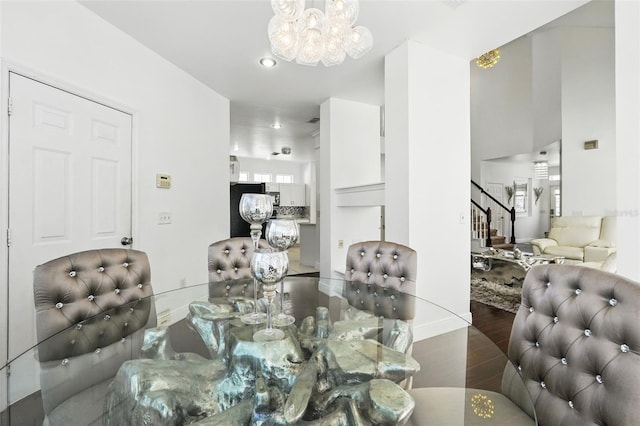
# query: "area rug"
497 295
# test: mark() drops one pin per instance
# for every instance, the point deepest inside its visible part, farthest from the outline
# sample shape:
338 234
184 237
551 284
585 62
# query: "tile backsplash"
298 211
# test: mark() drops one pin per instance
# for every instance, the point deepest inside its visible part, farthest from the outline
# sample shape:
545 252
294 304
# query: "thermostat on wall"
163 181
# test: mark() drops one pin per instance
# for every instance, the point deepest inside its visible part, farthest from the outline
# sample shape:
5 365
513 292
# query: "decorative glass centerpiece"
255 209
269 266
282 234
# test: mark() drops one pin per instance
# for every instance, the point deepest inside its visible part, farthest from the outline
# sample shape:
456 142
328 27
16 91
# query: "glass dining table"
357 354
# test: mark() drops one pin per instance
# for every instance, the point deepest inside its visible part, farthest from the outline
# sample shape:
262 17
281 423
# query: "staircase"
499 241
482 234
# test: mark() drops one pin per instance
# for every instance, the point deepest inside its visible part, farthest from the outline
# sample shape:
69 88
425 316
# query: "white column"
627 69
349 156
427 184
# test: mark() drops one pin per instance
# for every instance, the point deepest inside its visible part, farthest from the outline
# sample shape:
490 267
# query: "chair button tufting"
235 269
531 309
392 297
246 285
578 291
140 285
368 274
587 332
107 317
242 251
126 324
395 256
613 302
91 297
226 251
571 404
361 253
72 273
548 284
378 255
78 326
563 360
98 350
219 271
402 279
131 310
624 348
125 264
59 305
352 270
361 302
357 291
123 340
385 276
394 309
228 287
375 294
599 378
555 320
65 362
537 344
543 385
377 305
117 291
519 368
101 269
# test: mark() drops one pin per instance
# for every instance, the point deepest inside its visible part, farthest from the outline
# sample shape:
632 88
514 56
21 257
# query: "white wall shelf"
361 195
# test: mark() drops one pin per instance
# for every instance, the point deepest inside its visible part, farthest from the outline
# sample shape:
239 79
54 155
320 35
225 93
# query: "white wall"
349 156
181 127
501 106
427 172
588 112
274 166
627 104
546 88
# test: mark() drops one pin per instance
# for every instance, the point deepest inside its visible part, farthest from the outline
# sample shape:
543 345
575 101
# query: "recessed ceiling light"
276 125
268 62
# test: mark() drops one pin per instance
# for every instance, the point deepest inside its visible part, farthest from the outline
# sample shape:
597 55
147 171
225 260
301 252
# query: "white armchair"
579 238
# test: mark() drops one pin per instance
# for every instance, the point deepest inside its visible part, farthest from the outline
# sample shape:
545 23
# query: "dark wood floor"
486 346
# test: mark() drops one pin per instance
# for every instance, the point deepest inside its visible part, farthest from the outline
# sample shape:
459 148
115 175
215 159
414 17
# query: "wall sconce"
537 192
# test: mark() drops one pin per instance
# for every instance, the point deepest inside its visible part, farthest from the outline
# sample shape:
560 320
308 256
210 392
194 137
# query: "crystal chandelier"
489 59
310 35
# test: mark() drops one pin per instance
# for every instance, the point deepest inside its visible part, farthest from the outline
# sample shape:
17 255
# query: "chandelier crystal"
310 35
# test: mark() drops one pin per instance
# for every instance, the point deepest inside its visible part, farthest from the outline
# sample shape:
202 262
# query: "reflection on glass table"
356 355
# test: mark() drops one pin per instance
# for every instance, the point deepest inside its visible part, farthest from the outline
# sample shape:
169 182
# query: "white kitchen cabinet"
272 187
293 194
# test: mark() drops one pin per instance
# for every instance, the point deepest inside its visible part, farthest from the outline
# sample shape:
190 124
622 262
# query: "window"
556 199
284 178
243 177
262 177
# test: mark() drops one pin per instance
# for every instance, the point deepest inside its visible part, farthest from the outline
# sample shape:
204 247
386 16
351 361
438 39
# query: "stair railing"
512 212
481 228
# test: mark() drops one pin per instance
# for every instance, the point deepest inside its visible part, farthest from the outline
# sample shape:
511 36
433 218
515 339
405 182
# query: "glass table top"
356 354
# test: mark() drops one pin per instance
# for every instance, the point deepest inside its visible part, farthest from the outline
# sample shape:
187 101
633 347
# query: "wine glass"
255 209
282 234
269 266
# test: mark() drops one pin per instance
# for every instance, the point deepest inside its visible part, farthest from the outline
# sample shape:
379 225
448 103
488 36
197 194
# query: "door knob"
126 241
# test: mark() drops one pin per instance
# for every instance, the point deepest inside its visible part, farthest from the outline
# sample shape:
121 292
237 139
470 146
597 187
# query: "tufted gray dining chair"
374 265
106 295
229 261
576 343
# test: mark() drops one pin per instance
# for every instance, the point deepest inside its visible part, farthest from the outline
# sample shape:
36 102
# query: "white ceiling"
220 42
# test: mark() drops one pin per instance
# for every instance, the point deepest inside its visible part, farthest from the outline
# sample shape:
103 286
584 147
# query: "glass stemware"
269 266
255 209
282 234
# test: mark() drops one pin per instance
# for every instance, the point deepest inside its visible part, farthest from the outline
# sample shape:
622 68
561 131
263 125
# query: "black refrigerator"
240 228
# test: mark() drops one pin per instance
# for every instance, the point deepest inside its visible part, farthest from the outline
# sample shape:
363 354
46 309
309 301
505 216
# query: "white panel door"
69 188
